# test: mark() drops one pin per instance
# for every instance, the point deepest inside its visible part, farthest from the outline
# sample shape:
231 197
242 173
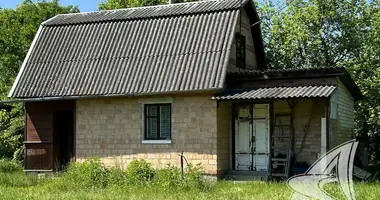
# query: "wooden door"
261 137
38 140
243 136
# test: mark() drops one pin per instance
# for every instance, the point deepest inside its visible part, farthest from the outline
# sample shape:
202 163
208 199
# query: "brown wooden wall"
39 133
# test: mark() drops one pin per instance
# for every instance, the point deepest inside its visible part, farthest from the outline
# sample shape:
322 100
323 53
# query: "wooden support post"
323 136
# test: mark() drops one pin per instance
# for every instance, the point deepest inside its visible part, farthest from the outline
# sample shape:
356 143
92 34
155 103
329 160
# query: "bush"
90 173
193 178
140 172
169 177
93 174
8 166
116 176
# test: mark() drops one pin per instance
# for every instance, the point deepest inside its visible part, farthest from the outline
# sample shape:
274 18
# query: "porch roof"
277 93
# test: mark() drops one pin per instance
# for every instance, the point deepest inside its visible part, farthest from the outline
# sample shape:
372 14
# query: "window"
157 121
240 50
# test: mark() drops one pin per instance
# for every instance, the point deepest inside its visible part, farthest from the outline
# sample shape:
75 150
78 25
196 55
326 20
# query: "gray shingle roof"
302 72
161 49
277 93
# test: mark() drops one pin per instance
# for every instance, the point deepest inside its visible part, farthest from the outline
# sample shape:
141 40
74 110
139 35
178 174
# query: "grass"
221 190
19 186
91 180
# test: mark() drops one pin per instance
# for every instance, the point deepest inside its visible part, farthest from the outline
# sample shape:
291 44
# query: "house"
153 82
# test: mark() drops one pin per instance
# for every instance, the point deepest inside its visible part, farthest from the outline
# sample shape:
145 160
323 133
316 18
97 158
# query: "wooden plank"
38 157
39 137
37 142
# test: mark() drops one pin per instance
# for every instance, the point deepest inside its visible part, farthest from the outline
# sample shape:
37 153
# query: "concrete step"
247 173
245 178
240 175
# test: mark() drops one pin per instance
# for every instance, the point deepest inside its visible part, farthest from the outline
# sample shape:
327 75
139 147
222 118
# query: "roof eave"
57 98
268 99
339 72
11 92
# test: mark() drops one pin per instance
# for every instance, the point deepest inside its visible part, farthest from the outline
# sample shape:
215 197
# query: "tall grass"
9 166
92 180
93 174
11 174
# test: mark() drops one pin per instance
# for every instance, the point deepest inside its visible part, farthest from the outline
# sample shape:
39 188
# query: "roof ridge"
146 12
142 7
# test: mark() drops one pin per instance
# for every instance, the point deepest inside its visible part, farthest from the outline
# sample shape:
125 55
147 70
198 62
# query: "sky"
84 5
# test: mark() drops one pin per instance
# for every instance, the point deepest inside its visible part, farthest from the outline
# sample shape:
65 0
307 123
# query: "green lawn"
91 180
20 187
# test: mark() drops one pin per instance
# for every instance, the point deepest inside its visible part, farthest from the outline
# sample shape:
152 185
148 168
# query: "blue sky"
84 5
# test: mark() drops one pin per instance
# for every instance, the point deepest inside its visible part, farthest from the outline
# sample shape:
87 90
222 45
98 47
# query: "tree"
319 33
17 30
314 33
366 71
117 4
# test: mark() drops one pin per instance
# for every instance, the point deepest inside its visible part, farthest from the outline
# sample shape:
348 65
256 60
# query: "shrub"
140 172
93 174
193 177
8 166
169 177
90 173
116 176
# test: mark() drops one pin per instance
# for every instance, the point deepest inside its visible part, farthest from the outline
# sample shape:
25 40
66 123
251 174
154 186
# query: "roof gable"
148 50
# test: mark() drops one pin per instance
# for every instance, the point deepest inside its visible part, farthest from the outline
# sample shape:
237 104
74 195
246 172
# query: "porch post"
323 136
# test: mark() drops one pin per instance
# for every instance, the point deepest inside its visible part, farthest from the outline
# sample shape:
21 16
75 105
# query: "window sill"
156 142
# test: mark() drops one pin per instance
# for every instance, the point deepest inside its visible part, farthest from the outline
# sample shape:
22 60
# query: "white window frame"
148 101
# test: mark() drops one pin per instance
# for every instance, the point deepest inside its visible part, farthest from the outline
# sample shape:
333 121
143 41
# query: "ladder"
282 145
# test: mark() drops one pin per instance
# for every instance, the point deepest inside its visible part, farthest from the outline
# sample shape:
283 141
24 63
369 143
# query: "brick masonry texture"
224 116
111 129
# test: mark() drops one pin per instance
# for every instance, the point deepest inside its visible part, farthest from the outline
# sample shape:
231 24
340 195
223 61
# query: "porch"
265 138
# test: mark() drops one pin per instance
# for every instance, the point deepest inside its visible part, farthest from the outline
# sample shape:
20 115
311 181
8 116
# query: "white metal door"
261 137
243 135
252 137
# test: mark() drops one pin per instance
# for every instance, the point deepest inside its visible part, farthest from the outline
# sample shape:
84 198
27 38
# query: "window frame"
146 139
